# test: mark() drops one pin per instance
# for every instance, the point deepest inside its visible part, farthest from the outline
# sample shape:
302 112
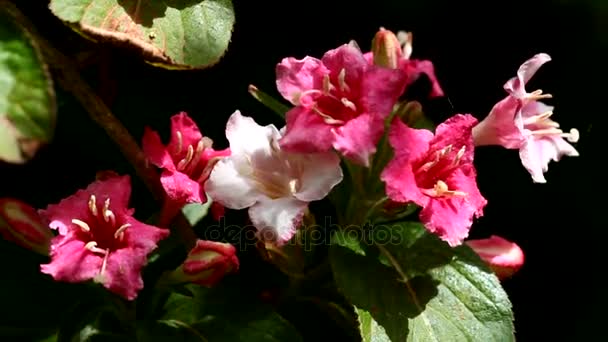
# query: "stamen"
108 215
328 119
538 95
93 205
104 264
184 162
208 168
200 147
92 246
327 86
83 225
119 233
573 136
445 151
441 189
178 134
547 131
459 155
540 118
346 102
294 185
207 142
342 80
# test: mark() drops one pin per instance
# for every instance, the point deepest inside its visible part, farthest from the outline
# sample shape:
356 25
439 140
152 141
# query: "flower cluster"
343 105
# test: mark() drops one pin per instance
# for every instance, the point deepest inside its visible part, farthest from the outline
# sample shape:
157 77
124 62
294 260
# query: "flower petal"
380 89
347 58
456 131
71 261
320 173
415 67
277 219
516 85
117 189
295 76
503 126
123 272
188 130
451 217
407 142
181 189
155 151
229 183
536 154
306 132
358 138
246 137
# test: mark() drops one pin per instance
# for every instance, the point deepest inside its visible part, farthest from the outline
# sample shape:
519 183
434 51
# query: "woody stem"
69 78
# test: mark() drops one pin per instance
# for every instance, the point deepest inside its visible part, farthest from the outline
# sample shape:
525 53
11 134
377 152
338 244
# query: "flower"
521 122
207 263
436 172
186 162
21 224
99 239
504 257
274 184
340 101
395 51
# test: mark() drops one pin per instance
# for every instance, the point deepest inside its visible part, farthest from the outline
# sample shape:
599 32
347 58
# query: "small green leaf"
268 101
420 289
179 34
194 212
27 99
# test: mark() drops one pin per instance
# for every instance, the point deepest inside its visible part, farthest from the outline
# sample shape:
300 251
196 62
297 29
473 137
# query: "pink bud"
21 224
504 257
386 49
207 263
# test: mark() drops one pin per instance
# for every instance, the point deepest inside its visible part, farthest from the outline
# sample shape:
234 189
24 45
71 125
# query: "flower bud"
207 263
386 49
21 224
504 257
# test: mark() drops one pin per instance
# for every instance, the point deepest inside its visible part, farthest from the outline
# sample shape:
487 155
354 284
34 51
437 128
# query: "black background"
475 48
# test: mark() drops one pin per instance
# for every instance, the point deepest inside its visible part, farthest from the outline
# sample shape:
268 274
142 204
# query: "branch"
69 78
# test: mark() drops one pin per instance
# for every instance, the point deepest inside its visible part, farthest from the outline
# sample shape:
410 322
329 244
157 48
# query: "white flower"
275 185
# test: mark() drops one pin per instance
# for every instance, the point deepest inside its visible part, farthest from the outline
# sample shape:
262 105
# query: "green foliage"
421 289
27 98
180 34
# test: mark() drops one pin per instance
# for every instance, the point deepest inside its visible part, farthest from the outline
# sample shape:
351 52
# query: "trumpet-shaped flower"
436 172
99 239
520 121
274 184
186 163
340 101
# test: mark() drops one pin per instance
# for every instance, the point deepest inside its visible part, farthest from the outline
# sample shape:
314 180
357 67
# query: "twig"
69 78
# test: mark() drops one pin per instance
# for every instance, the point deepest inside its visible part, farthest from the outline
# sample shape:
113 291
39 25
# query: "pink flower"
274 184
504 257
21 224
341 102
436 172
186 162
400 58
522 122
207 263
99 239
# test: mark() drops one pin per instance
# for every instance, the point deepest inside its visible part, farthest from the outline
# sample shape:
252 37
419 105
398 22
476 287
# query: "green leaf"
268 101
178 34
420 289
27 99
227 313
194 212
370 330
